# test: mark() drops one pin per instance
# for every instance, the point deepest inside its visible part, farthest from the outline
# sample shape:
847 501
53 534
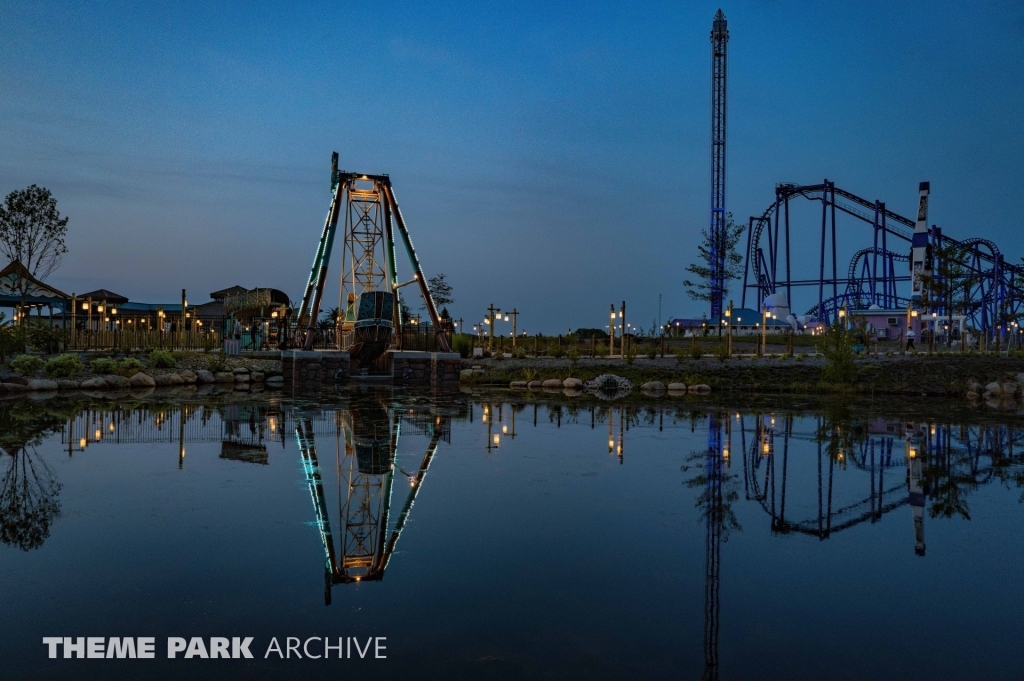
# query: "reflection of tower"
712 544
915 484
366 439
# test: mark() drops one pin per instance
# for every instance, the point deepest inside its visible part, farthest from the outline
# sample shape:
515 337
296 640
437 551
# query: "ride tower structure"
717 227
369 263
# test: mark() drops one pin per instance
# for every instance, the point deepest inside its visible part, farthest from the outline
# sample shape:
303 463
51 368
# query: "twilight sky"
548 156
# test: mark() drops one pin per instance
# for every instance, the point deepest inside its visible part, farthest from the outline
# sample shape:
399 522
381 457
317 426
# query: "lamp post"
490 321
728 338
764 327
611 332
514 314
622 314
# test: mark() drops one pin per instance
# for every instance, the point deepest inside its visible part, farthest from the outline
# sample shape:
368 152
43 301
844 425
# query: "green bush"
64 366
12 339
102 366
573 353
26 365
696 352
462 344
721 352
630 354
556 351
651 351
601 350
161 359
45 339
519 352
837 347
129 366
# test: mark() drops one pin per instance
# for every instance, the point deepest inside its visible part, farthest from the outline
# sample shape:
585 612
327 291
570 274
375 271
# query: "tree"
724 243
440 290
32 232
949 285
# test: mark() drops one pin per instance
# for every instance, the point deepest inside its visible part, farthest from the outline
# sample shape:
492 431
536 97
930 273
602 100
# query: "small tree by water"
836 345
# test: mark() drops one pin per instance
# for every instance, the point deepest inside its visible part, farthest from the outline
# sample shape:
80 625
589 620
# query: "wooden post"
728 340
625 338
611 332
593 345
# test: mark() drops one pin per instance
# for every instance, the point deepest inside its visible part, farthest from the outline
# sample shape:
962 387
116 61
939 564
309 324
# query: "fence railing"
89 339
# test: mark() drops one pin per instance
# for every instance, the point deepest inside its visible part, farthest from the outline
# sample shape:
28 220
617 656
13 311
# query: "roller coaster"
994 295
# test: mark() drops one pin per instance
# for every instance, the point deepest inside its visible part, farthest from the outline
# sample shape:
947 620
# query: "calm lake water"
515 536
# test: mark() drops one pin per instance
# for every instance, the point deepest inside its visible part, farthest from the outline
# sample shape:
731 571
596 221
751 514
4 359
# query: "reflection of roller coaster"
875 270
904 463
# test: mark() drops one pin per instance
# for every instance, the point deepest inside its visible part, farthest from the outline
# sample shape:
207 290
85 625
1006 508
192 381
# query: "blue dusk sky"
548 156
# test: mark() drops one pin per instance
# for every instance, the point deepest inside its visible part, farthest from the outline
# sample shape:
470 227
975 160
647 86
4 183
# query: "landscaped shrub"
573 353
722 352
129 366
601 350
519 352
161 359
630 354
26 365
462 344
556 351
45 339
64 366
837 347
696 352
102 366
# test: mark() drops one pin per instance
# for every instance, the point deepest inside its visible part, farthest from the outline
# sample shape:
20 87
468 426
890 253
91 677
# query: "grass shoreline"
944 375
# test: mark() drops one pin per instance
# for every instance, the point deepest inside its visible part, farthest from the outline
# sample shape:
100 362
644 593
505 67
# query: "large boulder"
67 384
275 381
518 385
535 385
975 387
42 384
552 383
141 380
994 388
188 376
94 383
224 377
653 387
677 387
700 388
240 370
572 384
168 379
1009 389
257 376
241 377
204 376
115 381
12 387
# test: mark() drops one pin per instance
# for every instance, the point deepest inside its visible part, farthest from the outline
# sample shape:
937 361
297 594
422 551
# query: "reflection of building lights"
98 435
496 437
913 452
725 453
765 448
611 444
483 418
81 443
504 430
111 427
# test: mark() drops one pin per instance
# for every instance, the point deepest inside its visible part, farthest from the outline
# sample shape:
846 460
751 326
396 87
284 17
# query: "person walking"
910 340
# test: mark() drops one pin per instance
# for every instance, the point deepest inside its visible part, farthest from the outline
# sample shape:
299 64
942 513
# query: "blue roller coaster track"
996 293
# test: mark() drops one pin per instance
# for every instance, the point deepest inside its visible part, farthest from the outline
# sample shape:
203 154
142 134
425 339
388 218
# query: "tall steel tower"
719 43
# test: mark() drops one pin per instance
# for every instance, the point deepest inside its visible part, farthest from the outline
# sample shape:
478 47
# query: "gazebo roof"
104 294
230 291
12 276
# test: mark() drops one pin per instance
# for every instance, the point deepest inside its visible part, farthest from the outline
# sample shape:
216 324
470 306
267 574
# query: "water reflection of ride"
906 463
366 440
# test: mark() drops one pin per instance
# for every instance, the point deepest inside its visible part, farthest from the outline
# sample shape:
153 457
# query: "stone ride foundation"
309 370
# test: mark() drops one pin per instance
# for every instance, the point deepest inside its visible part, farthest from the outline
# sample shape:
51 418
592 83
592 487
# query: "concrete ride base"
312 370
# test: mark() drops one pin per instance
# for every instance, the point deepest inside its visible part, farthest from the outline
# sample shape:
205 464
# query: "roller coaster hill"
878 275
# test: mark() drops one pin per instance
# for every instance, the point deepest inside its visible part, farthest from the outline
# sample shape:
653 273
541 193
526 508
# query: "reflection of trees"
28 500
28 488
